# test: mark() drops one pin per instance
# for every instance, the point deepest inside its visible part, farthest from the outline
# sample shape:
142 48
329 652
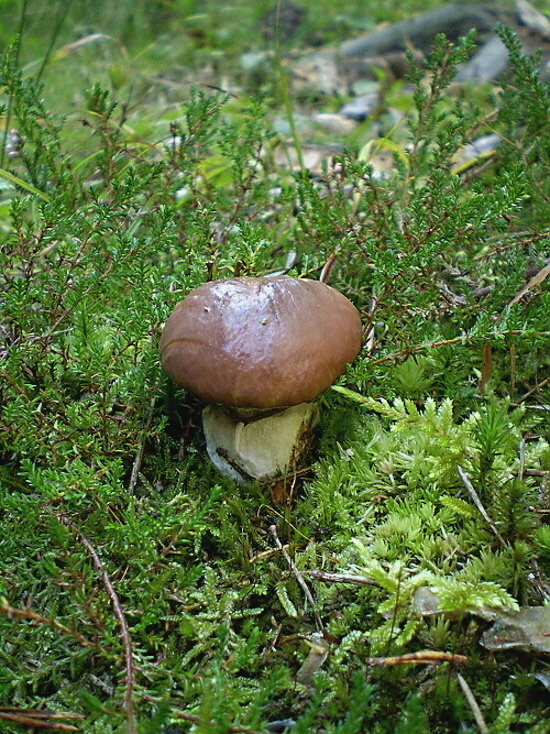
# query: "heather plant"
143 592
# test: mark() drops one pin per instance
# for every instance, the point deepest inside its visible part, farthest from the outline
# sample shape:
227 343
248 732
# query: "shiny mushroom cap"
260 343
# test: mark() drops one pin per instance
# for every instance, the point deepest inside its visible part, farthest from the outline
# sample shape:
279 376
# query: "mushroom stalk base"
259 449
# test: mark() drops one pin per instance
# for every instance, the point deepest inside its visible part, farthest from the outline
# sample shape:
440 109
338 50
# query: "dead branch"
121 619
33 617
477 502
136 467
535 281
423 657
463 339
39 719
472 703
298 575
194 719
340 578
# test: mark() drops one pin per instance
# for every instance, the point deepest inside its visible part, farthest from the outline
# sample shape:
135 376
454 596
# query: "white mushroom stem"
258 449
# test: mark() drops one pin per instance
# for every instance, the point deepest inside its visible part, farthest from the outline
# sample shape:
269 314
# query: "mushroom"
259 351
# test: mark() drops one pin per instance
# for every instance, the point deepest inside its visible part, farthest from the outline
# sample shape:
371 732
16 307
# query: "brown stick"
340 578
123 624
38 719
414 349
194 719
533 390
28 614
477 502
472 703
298 575
535 281
136 467
423 657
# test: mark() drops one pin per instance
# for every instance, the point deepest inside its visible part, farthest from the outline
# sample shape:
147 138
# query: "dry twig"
535 281
472 703
340 578
33 617
477 502
136 467
194 719
369 335
463 339
423 657
533 390
298 575
521 470
39 719
123 624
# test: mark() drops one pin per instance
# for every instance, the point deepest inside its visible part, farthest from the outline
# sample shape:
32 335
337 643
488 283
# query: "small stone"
335 123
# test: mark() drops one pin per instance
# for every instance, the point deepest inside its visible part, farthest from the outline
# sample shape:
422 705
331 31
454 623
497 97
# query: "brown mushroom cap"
260 342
